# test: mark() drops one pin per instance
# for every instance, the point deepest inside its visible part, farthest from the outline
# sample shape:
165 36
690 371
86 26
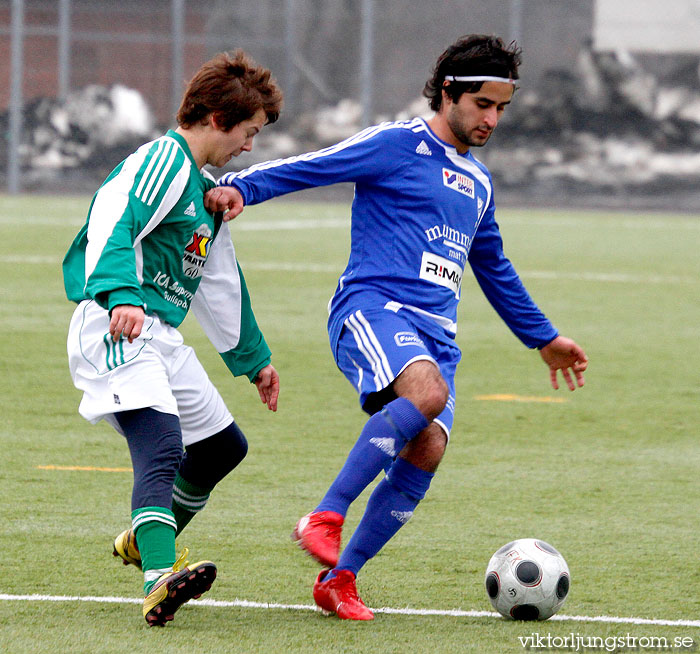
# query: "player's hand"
226 199
565 355
268 383
127 322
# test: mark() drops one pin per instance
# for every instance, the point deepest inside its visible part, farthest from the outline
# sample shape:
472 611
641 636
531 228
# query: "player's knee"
233 444
208 461
424 386
435 396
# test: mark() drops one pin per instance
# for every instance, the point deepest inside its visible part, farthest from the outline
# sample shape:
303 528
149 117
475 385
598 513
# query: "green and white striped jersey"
148 241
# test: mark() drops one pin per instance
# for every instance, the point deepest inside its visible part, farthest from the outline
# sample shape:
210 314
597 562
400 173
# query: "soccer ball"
527 579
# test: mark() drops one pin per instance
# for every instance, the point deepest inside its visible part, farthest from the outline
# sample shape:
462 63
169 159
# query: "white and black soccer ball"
527 579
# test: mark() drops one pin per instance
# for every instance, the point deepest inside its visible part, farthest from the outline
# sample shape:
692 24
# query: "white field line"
242 226
617 278
297 223
649 221
455 613
249 223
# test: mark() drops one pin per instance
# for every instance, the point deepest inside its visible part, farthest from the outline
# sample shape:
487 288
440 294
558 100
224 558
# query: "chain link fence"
85 82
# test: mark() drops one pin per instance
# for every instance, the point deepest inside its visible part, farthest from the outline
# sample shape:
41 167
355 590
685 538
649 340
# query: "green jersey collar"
183 144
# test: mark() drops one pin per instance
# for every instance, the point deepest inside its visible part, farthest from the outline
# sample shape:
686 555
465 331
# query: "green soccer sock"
188 500
154 527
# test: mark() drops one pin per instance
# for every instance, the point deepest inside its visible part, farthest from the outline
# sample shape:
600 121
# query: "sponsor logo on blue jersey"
452 237
458 182
407 338
441 271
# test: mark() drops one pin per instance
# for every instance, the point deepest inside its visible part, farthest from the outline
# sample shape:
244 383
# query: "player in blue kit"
423 208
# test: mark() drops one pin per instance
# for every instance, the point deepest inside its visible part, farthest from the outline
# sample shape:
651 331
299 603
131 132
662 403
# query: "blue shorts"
377 344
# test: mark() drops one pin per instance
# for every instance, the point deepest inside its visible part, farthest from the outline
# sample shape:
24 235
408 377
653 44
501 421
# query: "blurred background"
607 114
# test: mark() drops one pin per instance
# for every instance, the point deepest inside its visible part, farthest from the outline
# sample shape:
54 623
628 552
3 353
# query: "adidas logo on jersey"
423 148
191 210
386 445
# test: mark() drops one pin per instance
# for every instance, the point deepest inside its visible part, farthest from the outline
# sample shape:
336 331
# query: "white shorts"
157 370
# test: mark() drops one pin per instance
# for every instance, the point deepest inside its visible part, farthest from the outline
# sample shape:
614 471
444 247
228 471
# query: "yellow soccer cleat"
175 588
125 547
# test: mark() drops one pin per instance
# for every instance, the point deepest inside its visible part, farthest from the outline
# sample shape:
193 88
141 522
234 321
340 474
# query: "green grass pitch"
609 475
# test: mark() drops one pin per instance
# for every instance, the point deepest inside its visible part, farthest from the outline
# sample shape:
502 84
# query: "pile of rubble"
91 131
607 127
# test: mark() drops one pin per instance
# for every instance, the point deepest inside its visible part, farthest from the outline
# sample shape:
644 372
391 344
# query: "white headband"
479 78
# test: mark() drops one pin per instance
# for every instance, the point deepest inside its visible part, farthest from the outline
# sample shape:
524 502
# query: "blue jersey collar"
448 148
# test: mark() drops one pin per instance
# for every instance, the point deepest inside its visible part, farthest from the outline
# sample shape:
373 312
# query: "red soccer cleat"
319 534
339 596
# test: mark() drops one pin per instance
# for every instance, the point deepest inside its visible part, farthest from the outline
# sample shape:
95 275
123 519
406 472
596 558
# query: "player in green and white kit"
149 252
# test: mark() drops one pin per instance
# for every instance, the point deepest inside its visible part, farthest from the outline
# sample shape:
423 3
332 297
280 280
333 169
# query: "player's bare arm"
127 321
566 355
224 198
268 384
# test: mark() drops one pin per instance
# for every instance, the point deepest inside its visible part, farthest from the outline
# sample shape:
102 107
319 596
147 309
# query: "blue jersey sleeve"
503 288
364 156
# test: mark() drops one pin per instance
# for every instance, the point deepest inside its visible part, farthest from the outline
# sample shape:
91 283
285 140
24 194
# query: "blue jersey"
421 211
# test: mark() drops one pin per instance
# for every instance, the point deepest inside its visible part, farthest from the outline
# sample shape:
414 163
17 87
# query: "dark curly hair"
233 88
474 54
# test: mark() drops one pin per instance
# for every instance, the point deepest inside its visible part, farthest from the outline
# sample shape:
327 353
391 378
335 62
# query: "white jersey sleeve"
223 309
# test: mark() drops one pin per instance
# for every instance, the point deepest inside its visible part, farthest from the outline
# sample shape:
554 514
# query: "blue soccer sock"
381 439
389 508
